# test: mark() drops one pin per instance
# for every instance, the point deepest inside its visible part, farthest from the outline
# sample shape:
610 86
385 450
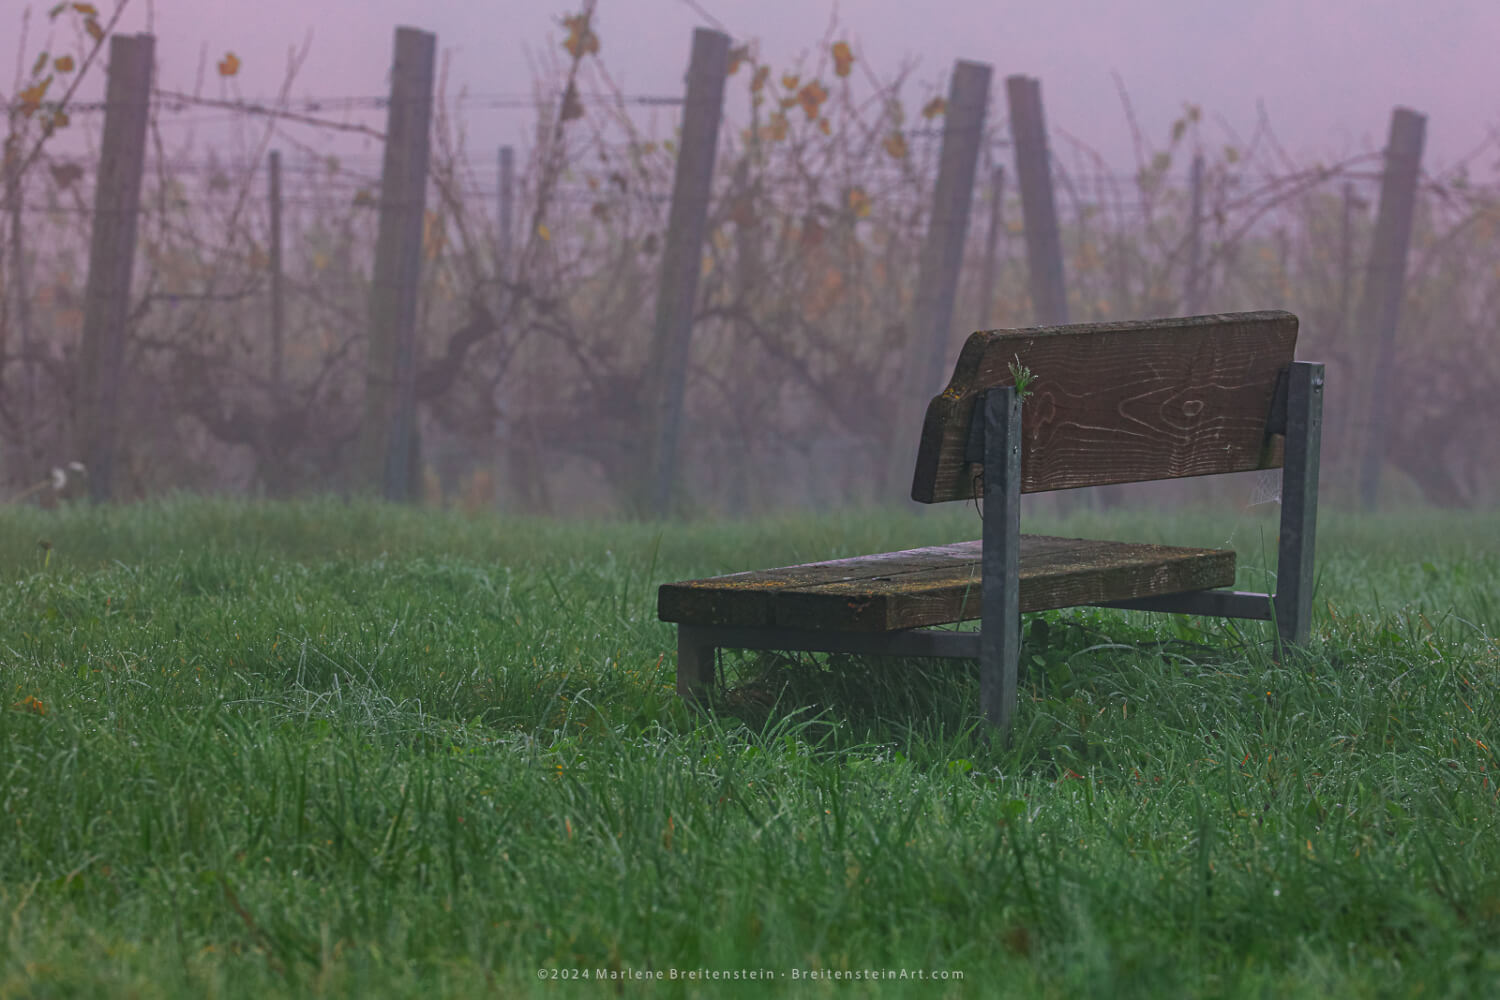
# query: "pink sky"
1328 71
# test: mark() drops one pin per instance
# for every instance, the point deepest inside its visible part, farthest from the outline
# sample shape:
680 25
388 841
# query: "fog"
533 346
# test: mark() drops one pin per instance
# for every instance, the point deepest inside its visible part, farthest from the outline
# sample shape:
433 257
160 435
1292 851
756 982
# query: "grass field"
255 750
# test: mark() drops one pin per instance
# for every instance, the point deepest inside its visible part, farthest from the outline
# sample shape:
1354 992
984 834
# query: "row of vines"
534 341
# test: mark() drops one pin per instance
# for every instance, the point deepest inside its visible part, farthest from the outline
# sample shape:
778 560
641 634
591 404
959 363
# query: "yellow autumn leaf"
843 58
93 28
543 231
31 97
776 128
737 55
789 81
86 9
63 64
811 97
581 40
758 81
895 145
229 65
934 107
433 236
859 203
39 65
825 126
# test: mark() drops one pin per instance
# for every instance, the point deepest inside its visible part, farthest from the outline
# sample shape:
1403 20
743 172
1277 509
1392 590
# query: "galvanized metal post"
1299 502
999 597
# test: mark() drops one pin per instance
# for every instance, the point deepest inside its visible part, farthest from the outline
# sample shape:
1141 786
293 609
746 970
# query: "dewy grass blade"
423 818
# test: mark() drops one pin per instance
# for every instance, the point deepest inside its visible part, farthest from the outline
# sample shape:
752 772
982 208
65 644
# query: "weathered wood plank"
939 585
1117 402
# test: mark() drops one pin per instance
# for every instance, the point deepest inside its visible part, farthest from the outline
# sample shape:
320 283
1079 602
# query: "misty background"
534 341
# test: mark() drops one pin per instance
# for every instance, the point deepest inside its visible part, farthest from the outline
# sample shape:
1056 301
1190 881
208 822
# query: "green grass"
319 748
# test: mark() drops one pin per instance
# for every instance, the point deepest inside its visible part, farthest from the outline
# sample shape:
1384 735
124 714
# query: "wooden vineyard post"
1380 303
992 249
278 289
1193 294
952 199
388 433
24 460
1346 257
505 245
681 262
1049 296
942 257
117 201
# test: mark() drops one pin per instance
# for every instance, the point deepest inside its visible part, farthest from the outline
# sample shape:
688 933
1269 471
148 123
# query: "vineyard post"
117 201
25 457
1350 432
747 285
681 262
1193 295
504 245
947 230
942 256
278 289
1049 296
388 433
1346 258
1380 303
992 249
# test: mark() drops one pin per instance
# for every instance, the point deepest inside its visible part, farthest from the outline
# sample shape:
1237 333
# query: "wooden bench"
1107 403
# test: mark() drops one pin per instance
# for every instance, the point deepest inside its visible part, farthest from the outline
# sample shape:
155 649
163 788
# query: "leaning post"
682 255
1049 296
992 249
1380 303
942 256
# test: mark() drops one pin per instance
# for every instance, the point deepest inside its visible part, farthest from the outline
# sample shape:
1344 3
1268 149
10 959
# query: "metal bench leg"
695 664
1299 502
999 598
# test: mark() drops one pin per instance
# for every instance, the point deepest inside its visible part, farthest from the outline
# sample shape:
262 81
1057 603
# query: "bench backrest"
1118 402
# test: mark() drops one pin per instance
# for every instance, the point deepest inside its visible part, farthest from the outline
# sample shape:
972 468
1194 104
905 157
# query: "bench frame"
995 440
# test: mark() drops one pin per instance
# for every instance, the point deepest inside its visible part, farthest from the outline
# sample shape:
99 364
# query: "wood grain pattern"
939 585
1117 402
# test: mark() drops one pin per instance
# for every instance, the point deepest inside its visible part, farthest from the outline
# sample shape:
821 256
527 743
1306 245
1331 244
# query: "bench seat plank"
939 585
